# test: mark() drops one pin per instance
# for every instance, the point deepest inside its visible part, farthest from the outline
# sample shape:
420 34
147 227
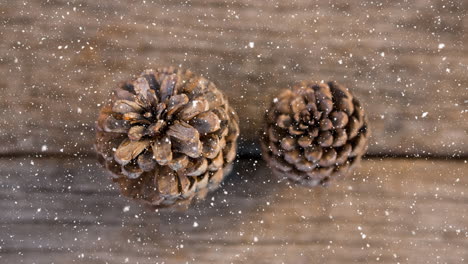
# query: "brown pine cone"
167 136
314 133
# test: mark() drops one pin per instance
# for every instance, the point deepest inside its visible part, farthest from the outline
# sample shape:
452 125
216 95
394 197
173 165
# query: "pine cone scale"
128 150
162 150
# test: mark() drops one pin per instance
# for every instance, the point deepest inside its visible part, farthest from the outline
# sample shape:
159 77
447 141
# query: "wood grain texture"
389 211
60 59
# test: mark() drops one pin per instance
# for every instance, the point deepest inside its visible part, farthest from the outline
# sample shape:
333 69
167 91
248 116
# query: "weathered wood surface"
390 211
59 59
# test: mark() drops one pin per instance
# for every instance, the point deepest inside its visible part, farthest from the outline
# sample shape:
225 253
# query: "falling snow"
406 62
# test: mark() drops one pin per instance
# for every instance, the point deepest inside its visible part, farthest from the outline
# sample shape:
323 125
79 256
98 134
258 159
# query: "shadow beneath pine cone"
248 196
56 194
249 185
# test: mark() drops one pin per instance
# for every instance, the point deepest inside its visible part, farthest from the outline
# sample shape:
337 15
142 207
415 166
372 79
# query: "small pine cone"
167 136
314 133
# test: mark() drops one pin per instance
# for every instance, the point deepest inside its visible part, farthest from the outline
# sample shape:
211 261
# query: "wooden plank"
59 60
389 211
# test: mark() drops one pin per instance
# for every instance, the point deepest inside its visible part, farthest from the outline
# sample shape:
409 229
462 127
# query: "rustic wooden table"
406 60
390 211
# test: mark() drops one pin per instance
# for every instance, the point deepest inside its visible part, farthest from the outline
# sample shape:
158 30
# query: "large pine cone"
314 133
167 137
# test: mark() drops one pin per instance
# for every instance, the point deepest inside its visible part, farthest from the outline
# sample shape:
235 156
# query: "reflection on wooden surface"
407 211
